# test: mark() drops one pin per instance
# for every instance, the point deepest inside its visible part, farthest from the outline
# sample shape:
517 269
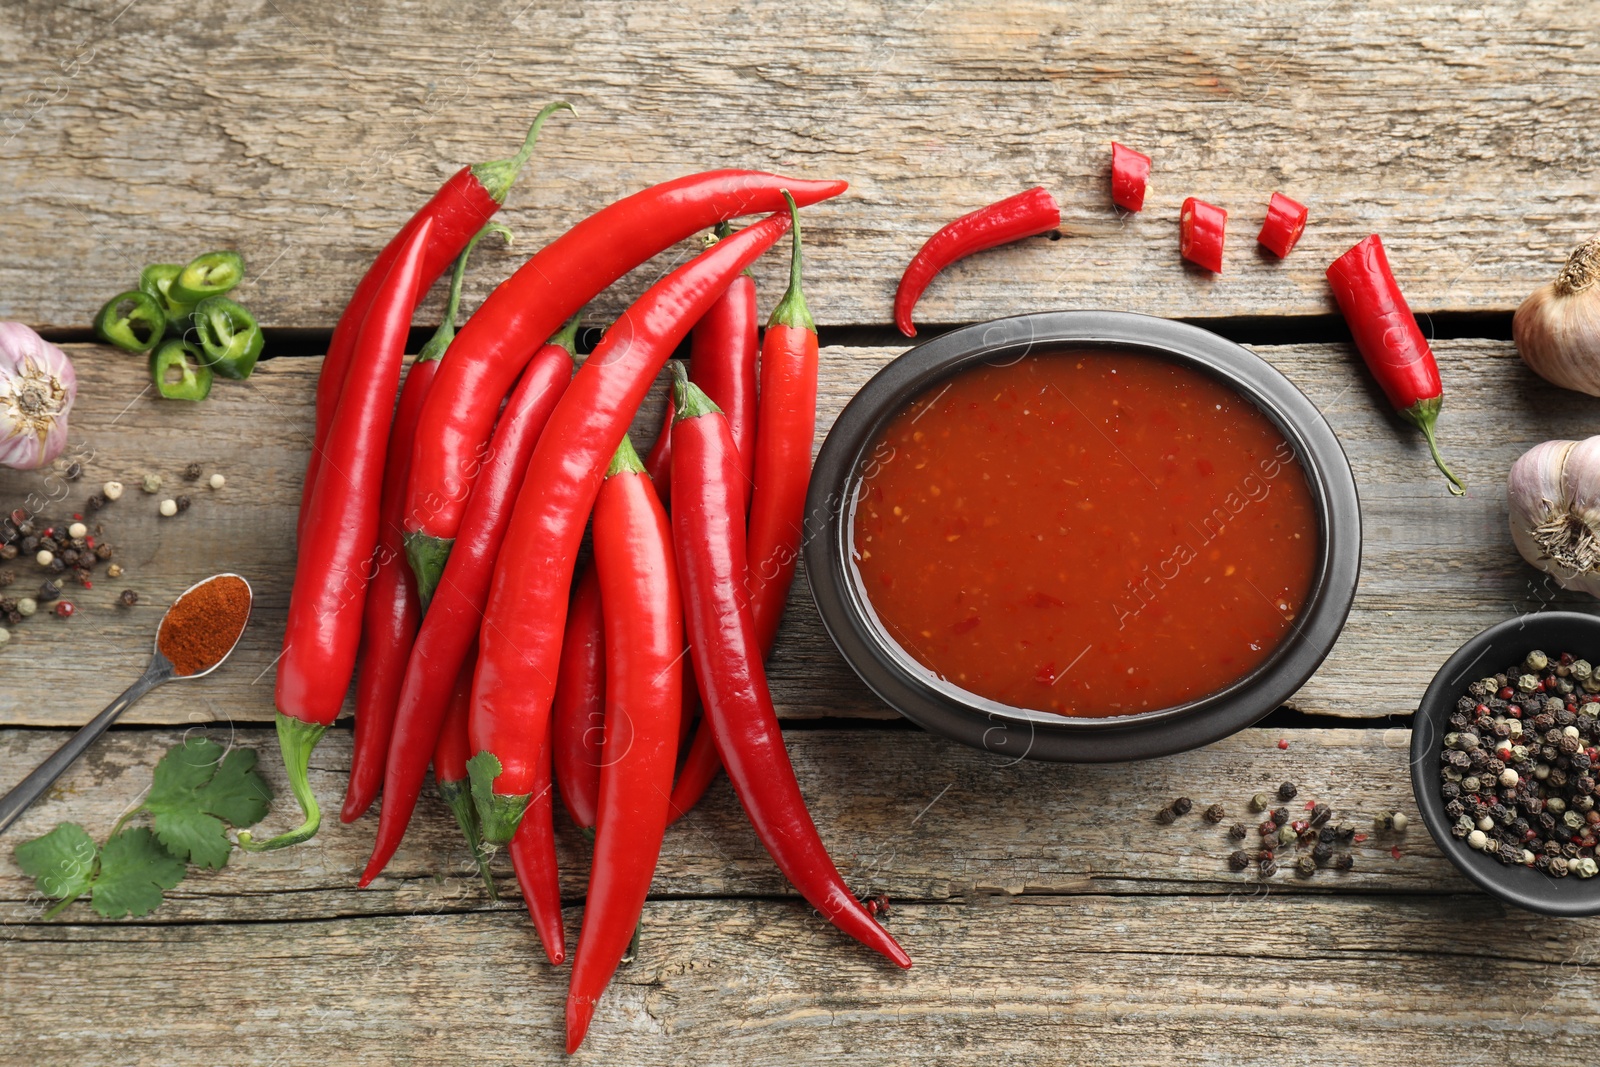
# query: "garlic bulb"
37 387
1554 493
1557 329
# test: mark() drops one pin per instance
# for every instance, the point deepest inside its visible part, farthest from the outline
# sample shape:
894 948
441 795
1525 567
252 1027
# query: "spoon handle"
31 788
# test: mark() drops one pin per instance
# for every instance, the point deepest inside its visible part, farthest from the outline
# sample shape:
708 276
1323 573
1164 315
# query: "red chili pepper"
644 680
458 210
522 628
334 559
1202 228
389 622
710 545
787 422
450 770
547 289
722 361
451 624
659 461
1389 340
1130 177
533 853
577 711
1286 221
1024 215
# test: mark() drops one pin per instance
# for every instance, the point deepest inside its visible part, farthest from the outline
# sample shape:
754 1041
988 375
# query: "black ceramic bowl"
947 709
1554 632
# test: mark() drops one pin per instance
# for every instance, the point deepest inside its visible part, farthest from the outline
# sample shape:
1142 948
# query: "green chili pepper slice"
209 275
157 279
230 341
132 321
177 373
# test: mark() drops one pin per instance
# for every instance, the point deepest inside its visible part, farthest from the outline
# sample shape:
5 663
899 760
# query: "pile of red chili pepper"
440 535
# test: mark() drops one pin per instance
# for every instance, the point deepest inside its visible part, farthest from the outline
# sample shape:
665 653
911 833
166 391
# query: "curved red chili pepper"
334 562
1285 222
787 425
710 547
450 770
1024 215
644 680
389 622
577 711
522 628
558 280
450 626
458 210
1389 339
533 855
1202 229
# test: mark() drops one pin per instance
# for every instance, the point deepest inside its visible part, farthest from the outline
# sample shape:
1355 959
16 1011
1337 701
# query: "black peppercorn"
183 503
1280 816
1165 816
191 473
8 552
1182 806
1305 866
1215 813
1322 853
129 598
1558 867
74 471
1238 860
1343 861
1269 866
1287 791
1238 831
48 591
29 545
1320 814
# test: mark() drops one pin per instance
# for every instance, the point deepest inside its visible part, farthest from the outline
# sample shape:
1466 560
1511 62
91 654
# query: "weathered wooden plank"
1251 980
907 814
1435 569
1464 135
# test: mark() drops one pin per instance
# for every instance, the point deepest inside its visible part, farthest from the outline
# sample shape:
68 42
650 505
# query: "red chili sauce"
1088 533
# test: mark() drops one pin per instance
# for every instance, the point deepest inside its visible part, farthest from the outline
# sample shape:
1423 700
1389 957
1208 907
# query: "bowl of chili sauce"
1083 536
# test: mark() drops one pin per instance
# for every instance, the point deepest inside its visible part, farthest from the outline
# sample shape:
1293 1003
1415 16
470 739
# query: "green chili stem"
497 175
296 739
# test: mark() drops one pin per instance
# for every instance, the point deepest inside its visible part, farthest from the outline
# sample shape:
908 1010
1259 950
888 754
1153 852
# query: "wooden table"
1051 919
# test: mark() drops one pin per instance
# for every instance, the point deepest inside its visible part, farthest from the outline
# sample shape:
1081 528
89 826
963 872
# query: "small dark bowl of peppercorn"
1505 760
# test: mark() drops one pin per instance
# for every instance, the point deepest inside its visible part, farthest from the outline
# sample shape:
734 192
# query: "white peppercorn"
169 508
111 490
217 481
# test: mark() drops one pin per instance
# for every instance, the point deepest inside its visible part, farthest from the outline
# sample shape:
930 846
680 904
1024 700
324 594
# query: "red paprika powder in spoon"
203 625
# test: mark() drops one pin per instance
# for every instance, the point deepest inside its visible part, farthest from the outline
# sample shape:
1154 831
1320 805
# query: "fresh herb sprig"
199 790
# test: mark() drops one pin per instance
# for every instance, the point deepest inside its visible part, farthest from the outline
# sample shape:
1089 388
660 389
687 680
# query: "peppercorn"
1320 814
8 552
1238 831
1343 861
1269 866
183 503
96 501
1527 683
191 473
129 598
152 483
1260 802
217 481
168 508
1215 813
1305 866
27 606
1535 661
1287 791
1182 806
114 571
1287 836
1280 816
1268 829
1322 852
48 591
1165 816
1346 831
104 551
1558 867
65 609
1238 860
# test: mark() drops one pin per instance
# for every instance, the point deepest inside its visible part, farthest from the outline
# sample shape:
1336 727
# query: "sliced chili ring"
193 381
1202 227
157 279
1130 177
230 341
212 274
133 321
1286 221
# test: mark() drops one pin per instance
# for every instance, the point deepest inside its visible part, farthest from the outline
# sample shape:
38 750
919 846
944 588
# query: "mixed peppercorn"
1517 773
62 550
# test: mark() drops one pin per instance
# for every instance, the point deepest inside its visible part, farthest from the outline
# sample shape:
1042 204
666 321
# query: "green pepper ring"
229 338
212 274
197 377
157 279
116 328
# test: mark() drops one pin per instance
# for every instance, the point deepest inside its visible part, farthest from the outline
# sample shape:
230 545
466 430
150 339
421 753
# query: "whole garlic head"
1557 329
37 388
1554 494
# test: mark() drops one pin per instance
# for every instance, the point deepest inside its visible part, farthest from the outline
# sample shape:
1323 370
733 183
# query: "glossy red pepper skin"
450 628
533 858
450 770
1025 215
522 628
708 535
458 211
1285 223
659 461
333 565
1390 342
1130 177
1202 229
528 306
722 361
392 613
577 711
644 681
787 422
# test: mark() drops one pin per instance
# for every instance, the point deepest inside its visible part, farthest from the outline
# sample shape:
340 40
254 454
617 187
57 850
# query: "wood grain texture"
1435 569
1463 132
1249 980
903 813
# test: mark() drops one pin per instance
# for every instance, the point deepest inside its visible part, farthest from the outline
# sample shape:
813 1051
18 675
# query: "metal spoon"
160 670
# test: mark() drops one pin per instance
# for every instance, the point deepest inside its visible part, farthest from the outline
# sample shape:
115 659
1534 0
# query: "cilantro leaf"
134 869
176 808
237 795
61 862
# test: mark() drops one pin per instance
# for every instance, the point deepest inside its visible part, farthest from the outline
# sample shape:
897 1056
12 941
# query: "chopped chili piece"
1130 177
1201 230
1286 221
193 378
133 321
